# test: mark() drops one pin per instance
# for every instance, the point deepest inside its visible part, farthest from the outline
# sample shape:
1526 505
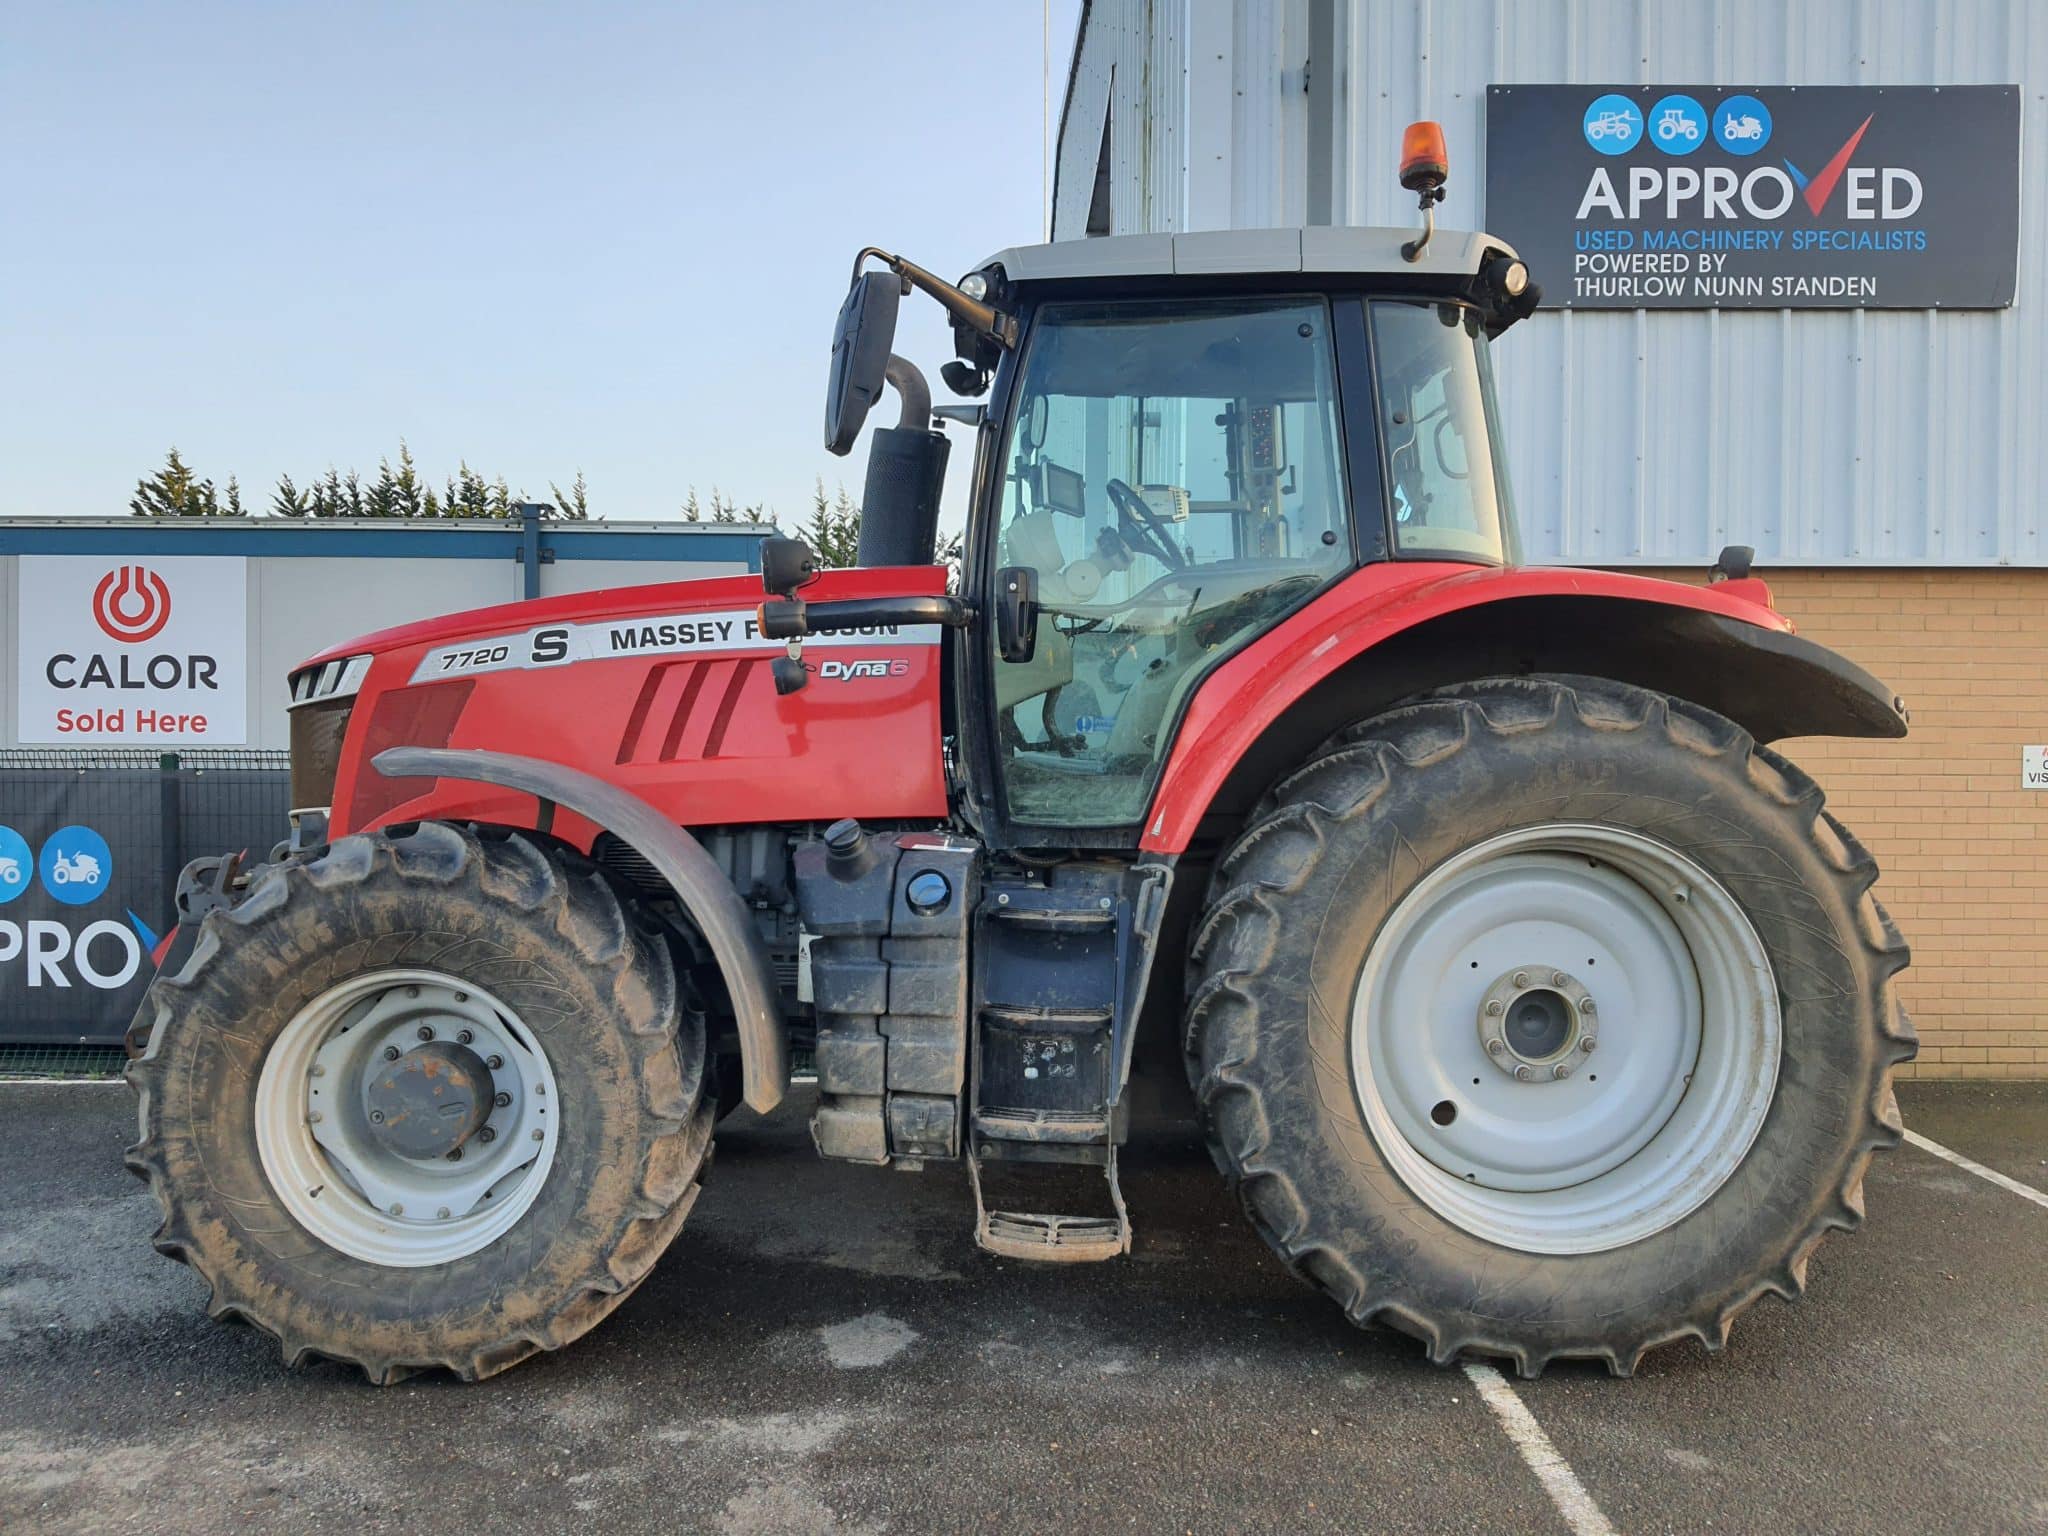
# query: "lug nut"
313 1117
487 1134
1587 1006
464 1036
398 1210
442 1214
540 1090
1521 978
1562 1070
537 1135
1495 1047
462 997
376 1117
1589 1042
455 1154
494 1062
1557 978
1523 1074
502 1100
391 1053
425 1031
1496 1008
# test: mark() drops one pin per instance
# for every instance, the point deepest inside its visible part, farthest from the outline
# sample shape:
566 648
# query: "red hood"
709 592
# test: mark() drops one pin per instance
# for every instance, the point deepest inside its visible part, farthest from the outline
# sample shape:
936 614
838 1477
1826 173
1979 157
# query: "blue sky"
542 237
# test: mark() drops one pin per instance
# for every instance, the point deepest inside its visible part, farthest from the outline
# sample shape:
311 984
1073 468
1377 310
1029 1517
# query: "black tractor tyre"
539 929
1297 902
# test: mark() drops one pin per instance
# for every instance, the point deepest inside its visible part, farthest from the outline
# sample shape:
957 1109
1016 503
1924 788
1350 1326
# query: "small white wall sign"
2034 767
134 653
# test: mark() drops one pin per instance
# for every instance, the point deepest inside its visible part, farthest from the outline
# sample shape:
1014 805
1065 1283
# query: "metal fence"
91 843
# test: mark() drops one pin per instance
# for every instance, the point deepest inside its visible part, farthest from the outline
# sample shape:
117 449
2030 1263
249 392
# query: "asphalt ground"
825 1351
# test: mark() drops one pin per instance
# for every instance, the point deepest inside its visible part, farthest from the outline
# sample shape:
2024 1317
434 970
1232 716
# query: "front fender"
1393 630
713 905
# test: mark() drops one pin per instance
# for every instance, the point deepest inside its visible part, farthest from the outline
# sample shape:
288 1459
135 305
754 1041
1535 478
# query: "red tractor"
1533 1004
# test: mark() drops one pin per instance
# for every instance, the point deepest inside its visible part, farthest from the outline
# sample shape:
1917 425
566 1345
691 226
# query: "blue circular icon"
76 865
1742 125
17 864
1614 125
1678 125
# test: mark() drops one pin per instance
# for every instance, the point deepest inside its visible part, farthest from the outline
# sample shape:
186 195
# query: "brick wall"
1963 847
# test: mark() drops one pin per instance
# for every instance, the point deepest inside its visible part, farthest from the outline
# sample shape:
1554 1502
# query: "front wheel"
424 1100
1547 1018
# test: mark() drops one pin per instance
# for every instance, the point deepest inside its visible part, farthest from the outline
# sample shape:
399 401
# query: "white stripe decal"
1551 1469
2011 1186
654 634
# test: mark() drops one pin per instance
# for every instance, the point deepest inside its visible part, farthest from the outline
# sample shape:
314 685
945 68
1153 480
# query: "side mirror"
786 564
860 356
1016 612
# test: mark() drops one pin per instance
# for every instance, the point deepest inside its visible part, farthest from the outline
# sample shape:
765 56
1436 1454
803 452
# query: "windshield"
1174 477
1437 418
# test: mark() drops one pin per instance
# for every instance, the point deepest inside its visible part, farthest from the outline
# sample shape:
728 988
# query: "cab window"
1437 421
1174 476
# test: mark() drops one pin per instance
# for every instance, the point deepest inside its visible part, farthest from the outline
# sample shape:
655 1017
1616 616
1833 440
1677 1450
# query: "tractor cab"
1185 439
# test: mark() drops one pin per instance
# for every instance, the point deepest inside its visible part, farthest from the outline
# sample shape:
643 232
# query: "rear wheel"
1547 1018
424 1100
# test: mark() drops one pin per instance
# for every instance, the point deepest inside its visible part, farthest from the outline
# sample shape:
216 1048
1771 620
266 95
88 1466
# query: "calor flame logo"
131 604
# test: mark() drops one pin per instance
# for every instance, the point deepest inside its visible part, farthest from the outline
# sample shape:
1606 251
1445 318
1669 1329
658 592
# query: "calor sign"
137 652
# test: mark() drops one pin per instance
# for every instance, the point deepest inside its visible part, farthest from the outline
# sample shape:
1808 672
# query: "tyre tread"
1236 938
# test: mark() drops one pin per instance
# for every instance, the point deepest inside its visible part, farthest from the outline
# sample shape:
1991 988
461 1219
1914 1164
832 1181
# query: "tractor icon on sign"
1675 124
11 872
1742 127
1612 125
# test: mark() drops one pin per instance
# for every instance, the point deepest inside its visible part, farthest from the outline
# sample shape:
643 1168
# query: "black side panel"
888 969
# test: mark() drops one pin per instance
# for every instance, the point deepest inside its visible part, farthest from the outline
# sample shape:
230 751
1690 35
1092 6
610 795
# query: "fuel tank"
663 690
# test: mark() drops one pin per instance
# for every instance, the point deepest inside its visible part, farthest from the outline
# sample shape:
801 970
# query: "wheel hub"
1485 1095
1534 1023
429 1101
406 1118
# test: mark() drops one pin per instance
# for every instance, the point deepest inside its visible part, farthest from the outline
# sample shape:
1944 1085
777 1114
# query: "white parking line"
1551 1469
2012 1186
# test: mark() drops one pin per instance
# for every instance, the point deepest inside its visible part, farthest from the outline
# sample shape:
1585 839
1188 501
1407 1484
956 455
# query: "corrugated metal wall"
1890 437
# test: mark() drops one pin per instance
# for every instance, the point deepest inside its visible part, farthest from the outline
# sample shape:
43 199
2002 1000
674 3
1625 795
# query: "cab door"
1172 474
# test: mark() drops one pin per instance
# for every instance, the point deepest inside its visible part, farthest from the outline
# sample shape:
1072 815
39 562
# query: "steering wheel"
1132 512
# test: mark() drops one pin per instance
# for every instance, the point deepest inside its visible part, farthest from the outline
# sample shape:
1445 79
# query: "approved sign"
1762 197
147 652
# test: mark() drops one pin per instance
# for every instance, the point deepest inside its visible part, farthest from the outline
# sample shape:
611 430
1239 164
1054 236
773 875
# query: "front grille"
317 733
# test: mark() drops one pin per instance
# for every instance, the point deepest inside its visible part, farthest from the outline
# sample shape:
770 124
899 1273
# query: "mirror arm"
791 618
984 318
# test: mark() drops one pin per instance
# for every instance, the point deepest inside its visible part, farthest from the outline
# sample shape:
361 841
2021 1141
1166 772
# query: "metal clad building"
1821 438
1887 464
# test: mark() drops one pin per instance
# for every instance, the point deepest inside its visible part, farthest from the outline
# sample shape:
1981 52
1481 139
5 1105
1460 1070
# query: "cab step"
1045 1238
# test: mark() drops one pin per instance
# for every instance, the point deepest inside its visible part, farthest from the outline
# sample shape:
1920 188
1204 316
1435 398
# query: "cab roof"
1318 248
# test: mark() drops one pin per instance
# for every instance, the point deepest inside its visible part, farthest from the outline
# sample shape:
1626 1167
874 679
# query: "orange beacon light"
1425 166
1425 163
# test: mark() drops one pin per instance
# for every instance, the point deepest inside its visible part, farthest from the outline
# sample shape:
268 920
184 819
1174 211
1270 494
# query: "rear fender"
700 885
1397 629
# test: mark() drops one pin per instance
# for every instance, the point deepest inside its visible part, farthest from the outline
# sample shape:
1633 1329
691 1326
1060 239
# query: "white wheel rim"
1670 1038
330 1169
